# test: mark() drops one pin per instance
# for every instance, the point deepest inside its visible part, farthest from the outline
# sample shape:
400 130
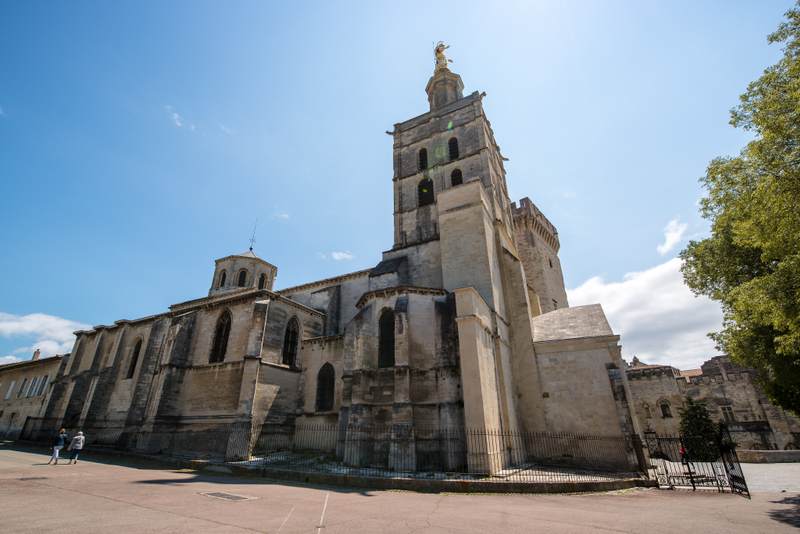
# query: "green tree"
699 433
751 261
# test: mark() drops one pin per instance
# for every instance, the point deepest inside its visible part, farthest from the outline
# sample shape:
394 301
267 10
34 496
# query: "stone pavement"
105 494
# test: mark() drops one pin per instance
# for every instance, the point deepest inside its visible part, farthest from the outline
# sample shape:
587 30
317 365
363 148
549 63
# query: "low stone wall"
767 457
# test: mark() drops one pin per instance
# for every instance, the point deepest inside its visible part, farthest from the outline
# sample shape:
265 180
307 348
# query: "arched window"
290 340
452 147
134 358
456 178
242 278
425 192
647 413
222 276
423 159
262 281
666 412
221 334
325 385
386 339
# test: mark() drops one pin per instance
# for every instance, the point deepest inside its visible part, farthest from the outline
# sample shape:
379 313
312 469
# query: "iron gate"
696 462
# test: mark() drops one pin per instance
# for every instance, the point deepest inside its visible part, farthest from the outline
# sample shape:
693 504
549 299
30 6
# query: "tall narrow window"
666 412
290 340
456 178
32 387
425 192
134 358
221 334
452 147
222 276
10 390
242 278
262 281
22 388
326 381
423 159
386 339
42 385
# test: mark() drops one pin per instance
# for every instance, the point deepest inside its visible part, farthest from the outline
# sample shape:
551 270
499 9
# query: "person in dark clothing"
58 443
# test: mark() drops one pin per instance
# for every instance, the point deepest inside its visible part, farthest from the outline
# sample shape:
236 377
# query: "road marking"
285 520
322 517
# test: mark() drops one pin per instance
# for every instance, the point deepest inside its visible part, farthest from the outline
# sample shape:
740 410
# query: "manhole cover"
226 496
33 478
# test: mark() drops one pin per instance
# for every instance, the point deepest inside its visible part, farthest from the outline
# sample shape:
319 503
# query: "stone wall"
24 388
730 394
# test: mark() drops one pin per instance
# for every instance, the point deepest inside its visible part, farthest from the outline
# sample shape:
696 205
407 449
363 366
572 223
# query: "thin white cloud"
177 119
569 195
2 112
4 360
282 215
673 233
50 334
226 130
342 255
659 318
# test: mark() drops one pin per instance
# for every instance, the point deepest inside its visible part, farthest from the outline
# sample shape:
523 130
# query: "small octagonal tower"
245 270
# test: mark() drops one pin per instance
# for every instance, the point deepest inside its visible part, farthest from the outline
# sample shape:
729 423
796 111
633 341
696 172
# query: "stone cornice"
435 114
556 345
321 340
398 290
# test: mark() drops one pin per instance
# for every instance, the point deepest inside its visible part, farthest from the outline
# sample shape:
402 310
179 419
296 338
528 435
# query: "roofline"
31 363
247 257
325 281
243 294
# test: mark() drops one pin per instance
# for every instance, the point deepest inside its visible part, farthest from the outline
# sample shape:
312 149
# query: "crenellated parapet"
527 215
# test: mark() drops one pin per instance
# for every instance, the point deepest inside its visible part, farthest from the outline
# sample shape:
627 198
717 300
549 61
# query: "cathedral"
464 323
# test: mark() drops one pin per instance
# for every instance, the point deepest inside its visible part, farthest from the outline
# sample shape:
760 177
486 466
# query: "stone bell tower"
450 145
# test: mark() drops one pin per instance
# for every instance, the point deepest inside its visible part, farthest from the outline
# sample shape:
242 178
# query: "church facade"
463 324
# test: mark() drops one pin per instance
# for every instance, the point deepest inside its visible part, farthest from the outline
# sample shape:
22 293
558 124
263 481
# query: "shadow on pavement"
191 476
790 516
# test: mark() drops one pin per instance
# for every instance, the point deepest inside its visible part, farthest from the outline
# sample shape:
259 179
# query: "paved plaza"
106 494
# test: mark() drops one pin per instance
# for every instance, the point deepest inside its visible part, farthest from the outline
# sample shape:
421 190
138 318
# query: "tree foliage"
699 434
751 261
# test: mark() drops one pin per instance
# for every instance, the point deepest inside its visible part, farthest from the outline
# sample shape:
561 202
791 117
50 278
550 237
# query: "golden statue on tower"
441 59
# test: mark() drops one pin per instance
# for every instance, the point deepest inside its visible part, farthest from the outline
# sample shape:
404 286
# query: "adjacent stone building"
729 392
464 323
24 388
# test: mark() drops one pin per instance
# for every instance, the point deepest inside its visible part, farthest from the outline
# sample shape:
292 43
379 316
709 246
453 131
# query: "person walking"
76 446
58 443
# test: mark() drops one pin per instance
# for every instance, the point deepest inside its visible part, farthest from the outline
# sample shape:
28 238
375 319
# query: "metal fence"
443 453
695 462
386 451
420 452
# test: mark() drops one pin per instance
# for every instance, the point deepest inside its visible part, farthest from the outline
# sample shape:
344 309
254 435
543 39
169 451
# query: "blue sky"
141 140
